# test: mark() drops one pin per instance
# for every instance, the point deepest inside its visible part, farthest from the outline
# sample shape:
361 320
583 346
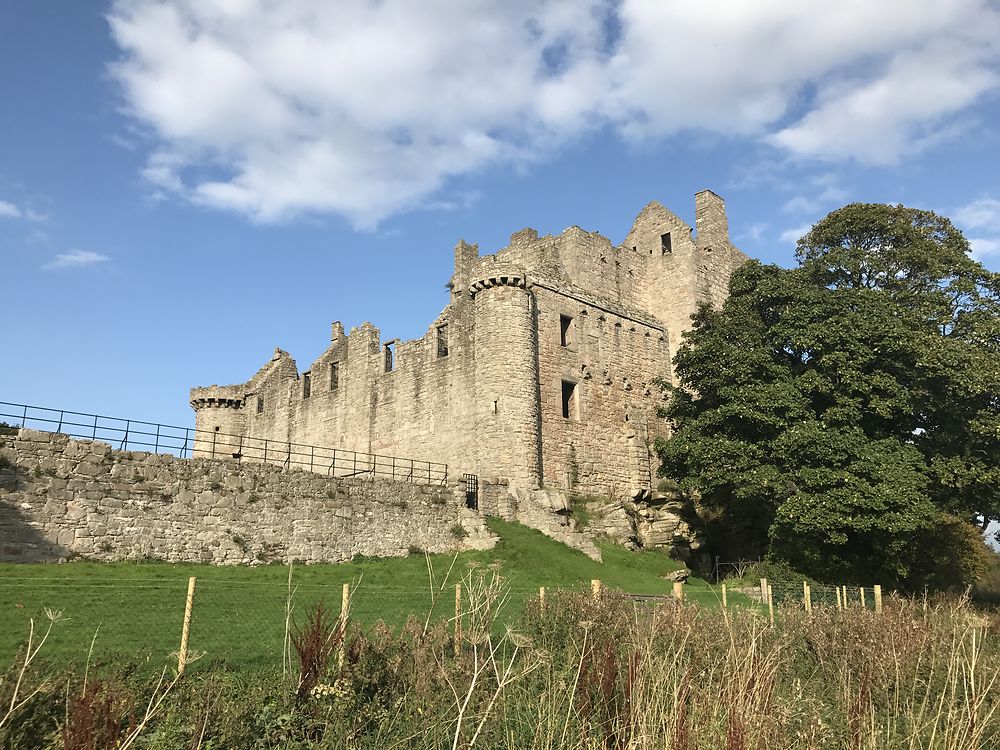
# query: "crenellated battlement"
217 397
500 277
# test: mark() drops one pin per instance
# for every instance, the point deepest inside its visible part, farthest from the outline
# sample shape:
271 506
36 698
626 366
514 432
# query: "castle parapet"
499 277
217 396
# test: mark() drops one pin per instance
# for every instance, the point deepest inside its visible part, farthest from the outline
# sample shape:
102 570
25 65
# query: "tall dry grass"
581 674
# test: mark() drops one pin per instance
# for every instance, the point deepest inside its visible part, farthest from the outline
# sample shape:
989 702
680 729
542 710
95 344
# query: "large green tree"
844 415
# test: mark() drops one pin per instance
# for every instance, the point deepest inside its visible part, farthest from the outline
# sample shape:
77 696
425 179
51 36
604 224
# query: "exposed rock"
678 576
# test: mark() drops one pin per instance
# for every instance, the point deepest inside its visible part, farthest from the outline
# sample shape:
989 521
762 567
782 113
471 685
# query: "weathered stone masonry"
62 498
539 374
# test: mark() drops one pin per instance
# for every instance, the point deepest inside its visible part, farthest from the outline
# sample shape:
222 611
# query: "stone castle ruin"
538 377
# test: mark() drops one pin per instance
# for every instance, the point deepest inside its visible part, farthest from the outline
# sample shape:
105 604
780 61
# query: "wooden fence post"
763 590
808 596
863 603
595 588
839 605
345 603
724 603
458 620
678 591
877 591
182 654
541 598
770 603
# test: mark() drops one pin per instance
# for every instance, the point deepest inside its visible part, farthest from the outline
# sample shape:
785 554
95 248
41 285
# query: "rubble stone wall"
63 498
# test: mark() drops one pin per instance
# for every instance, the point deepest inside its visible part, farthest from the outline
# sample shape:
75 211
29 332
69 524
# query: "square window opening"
334 375
442 340
390 357
565 330
260 404
570 408
666 243
306 385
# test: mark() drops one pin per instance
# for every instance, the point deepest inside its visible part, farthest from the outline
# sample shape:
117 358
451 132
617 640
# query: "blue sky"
186 184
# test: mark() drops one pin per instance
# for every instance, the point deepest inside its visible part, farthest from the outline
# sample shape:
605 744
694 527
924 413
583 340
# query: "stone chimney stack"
710 221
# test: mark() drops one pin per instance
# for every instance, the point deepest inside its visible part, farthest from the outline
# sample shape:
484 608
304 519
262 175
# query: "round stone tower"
506 408
219 422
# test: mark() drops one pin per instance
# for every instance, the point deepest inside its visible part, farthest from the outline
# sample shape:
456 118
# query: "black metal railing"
187 442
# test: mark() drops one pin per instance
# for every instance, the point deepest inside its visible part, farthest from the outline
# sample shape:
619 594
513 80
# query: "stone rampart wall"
63 498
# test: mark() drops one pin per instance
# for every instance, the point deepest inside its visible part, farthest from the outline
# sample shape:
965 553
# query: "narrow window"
569 401
666 243
260 404
306 385
442 340
334 375
390 357
565 330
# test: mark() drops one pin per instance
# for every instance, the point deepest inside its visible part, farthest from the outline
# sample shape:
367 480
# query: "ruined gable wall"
671 285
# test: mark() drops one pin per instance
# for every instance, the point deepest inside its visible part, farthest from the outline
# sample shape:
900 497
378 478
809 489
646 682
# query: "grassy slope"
239 612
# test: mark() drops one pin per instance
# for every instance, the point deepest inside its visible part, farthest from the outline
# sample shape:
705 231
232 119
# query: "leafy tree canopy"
847 411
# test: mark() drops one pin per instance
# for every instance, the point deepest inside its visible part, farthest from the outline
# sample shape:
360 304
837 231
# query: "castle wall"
66 498
603 446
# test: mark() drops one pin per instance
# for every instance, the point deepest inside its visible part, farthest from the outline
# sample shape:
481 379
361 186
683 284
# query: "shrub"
458 531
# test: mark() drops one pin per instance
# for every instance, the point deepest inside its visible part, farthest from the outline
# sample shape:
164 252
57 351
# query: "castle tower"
219 422
506 408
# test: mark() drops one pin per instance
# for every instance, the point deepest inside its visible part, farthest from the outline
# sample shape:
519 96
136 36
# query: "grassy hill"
239 615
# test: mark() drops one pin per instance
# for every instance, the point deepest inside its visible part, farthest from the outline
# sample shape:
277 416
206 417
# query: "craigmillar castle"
538 374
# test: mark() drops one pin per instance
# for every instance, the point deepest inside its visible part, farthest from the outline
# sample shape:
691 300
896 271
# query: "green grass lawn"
239 614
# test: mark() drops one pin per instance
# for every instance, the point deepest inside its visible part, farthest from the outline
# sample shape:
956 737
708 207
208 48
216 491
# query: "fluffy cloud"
75 259
980 214
793 234
9 211
272 109
983 248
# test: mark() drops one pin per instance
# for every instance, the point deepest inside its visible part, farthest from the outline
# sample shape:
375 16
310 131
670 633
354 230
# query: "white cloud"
980 214
753 232
365 109
792 235
983 248
9 211
801 205
75 259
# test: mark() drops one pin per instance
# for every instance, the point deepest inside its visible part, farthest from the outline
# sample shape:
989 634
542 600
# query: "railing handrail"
185 440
